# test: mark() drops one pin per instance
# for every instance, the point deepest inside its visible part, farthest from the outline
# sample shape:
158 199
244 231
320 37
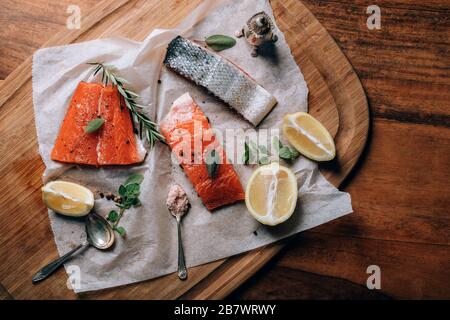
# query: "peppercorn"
109 196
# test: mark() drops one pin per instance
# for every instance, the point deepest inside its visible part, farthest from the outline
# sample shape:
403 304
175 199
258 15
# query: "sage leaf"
134 178
94 125
220 42
212 163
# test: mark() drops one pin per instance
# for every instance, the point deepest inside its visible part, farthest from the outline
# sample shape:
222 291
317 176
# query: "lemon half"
309 136
68 198
271 194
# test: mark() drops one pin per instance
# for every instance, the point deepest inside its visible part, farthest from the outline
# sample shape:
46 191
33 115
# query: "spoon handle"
52 266
182 272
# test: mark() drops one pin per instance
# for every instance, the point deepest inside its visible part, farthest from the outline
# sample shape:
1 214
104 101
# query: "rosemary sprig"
144 123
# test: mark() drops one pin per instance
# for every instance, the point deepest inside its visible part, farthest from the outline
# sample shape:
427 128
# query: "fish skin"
221 77
113 144
184 120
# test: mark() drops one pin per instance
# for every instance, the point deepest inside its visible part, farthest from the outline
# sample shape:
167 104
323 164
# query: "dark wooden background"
400 189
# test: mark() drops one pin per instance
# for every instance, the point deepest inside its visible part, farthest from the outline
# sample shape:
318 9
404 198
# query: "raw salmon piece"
185 123
113 144
117 142
221 77
73 145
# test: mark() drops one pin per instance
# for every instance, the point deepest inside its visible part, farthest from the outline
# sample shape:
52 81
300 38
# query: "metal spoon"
178 206
98 234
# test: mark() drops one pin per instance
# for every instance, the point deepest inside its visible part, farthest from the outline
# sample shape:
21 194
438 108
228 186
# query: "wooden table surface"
400 189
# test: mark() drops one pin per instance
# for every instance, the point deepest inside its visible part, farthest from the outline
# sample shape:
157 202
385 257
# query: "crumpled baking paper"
150 248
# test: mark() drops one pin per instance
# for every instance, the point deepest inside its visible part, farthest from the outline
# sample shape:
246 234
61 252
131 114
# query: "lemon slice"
68 198
271 194
309 136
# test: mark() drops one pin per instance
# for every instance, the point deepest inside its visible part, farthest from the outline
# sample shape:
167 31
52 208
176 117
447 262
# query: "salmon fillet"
73 145
186 125
113 144
221 77
117 142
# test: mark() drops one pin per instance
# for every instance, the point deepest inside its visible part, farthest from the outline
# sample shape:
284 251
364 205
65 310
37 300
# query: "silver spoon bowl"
99 234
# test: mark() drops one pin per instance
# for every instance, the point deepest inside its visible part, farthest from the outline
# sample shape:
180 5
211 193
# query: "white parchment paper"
150 248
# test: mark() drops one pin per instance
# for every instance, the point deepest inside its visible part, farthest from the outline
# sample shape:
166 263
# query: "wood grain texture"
28 24
395 201
330 89
399 190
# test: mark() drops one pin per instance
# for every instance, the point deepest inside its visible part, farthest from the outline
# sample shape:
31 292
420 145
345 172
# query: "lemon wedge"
68 198
309 136
271 194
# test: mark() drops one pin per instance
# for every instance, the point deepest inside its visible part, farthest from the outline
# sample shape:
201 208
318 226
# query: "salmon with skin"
184 124
113 144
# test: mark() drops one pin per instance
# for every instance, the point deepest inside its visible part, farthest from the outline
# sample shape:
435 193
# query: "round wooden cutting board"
336 98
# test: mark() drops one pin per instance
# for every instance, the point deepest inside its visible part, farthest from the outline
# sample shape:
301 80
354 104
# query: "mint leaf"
94 125
133 190
113 216
128 203
122 191
121 231
134 178
295 153
263 161
285 153
136 202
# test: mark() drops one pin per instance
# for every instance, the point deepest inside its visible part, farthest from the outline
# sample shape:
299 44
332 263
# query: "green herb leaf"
122 191
113 216
132 190
246 155
253 145
136 202
212 163
134 178
94 125
220 42
145 125
295 153
121 231
285 153
262 150
263 161
277 144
